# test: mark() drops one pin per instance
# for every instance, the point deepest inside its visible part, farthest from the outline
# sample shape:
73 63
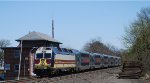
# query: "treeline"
137 39
97 46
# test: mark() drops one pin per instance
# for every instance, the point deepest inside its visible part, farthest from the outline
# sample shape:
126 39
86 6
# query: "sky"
75 22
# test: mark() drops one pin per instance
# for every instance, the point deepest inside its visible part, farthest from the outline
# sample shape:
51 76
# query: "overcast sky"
76 22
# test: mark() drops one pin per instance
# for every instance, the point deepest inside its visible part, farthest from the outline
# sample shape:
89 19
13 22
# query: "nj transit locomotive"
51 60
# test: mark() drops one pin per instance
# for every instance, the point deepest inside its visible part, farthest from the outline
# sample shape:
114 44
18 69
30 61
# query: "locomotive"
53 60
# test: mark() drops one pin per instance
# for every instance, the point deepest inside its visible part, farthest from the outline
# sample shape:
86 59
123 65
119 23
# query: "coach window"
16 53
16 67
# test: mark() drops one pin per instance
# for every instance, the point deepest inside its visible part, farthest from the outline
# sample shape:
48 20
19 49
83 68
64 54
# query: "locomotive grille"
43 62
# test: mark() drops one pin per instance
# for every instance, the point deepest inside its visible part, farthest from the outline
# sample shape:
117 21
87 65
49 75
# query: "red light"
48 61
36 61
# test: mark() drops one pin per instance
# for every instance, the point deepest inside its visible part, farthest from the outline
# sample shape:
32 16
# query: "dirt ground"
97 76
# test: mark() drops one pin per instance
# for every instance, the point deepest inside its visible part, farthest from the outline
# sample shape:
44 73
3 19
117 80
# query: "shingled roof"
37 36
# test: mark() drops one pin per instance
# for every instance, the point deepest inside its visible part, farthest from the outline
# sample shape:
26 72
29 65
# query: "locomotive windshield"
39 55
47 55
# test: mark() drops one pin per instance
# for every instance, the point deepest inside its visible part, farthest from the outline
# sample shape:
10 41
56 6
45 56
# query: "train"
53 60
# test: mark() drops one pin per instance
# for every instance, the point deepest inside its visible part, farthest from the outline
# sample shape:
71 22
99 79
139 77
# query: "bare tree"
96 46
3 43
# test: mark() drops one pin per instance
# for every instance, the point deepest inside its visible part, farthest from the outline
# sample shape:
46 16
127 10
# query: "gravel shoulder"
101 76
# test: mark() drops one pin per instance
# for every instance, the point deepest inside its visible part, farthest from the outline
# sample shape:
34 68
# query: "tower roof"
33 36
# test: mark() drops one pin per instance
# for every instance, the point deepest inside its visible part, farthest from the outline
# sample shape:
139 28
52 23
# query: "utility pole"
52 28
20 60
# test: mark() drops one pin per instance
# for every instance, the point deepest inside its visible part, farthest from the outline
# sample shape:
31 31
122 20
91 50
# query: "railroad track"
82 77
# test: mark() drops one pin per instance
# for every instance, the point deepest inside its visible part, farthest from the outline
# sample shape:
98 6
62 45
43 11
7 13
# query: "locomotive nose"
43 62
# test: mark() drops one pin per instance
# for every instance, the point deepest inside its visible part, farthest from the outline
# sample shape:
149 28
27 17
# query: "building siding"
10 58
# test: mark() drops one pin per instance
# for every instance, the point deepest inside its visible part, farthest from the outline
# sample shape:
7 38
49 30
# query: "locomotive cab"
42 60
51 60
43 57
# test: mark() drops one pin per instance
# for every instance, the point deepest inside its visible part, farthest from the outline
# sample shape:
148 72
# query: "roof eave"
38 40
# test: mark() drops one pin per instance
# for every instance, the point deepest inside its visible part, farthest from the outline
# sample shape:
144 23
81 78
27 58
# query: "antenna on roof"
52 28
